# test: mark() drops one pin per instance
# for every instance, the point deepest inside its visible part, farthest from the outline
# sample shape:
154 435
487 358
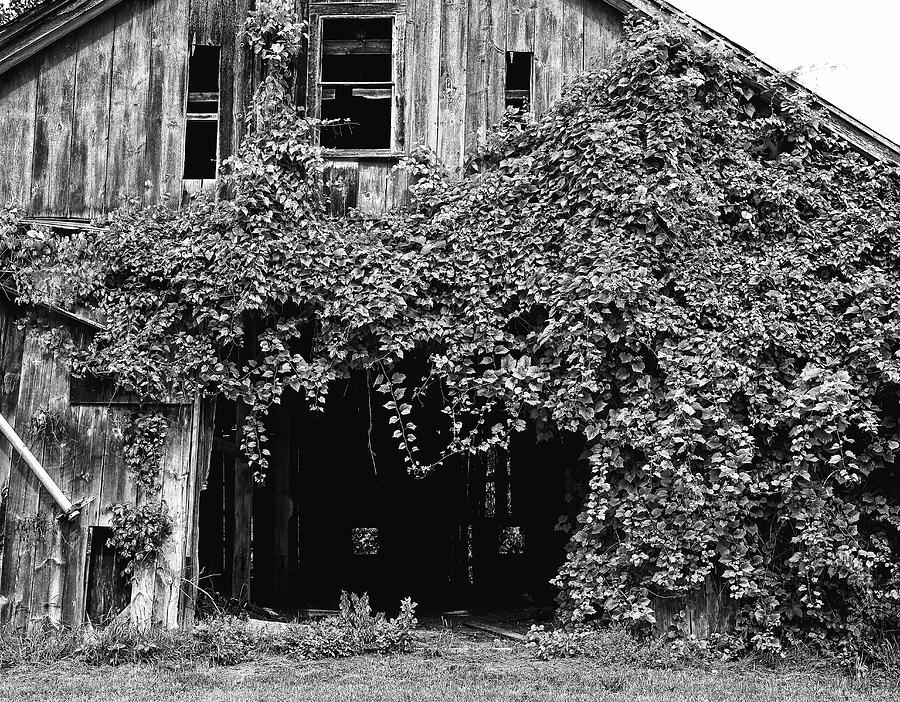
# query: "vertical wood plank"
547 54
373 176
49 564
423 72
176 474
520 17
203 428
90 131
90 425
18 95
476 73
242 481
53 129
495 62
167 91
11 347
452 82
602 32
342 186
282 503
572 38
125 163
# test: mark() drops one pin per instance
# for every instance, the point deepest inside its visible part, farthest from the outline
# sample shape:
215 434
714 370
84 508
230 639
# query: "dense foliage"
678 263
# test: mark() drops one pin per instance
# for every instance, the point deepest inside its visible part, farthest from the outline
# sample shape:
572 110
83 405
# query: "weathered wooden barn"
107 100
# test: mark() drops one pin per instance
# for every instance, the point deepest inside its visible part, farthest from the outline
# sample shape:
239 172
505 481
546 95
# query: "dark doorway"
340 511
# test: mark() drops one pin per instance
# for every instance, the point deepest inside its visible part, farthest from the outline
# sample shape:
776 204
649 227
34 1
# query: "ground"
450 666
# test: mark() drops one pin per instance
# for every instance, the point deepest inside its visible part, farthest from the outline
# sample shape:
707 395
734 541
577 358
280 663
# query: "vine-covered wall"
51 568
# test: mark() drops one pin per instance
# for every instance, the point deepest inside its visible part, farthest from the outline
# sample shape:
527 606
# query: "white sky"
847 51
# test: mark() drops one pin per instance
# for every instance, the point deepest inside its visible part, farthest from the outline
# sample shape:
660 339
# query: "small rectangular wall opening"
518 80
108 590
356 82
201 134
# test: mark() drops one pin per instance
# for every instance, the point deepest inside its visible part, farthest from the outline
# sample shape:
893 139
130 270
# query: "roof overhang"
47 22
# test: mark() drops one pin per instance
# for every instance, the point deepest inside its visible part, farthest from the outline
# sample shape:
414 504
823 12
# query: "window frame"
319 11
202 97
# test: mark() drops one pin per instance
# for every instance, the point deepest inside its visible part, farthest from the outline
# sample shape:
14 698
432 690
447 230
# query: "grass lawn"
469 667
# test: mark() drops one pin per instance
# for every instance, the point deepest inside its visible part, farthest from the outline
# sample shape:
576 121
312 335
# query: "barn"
112 101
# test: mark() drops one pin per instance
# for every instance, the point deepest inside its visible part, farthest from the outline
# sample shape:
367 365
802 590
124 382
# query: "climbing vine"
679 263
139 532
143 438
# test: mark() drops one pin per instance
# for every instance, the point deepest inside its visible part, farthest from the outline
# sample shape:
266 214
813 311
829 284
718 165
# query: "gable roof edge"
39 27
858 134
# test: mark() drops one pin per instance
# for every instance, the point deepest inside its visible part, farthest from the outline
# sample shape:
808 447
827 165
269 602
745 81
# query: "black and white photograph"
449 350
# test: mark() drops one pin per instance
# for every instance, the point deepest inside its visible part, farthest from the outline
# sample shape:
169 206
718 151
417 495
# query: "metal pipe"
69 510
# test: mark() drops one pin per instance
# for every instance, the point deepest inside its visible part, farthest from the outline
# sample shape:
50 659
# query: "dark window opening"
203 69
518 80
202 115
356 86
200 138
108 588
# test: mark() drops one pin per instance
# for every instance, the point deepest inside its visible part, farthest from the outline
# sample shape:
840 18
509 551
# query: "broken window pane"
356 85
518 79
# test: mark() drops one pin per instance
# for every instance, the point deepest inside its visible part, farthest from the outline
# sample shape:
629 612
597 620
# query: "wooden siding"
454 88
44 560
97 117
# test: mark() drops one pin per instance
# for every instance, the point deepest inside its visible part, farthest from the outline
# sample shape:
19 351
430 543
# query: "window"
201 133
518 80
356 82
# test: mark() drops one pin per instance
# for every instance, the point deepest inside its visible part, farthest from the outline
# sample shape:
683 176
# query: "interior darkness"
108 588
518 79
356 87
473 533
368 111
200 148
203 69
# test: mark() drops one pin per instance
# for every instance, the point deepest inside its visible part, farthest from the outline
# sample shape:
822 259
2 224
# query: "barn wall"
44 561
454 72
99 115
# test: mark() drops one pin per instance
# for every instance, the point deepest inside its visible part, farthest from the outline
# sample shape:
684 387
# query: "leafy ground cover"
447 664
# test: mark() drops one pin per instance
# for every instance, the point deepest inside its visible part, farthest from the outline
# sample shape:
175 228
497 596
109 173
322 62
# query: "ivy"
143 438
679 264
139 532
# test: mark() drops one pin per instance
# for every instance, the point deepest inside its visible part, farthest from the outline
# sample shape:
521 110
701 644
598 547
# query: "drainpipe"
69 510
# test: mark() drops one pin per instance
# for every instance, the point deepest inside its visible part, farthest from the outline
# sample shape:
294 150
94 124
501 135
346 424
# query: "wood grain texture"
18 103
602 31
90 129
547 54
166 102
423 24
53 129
45 24
572 39
520 18
476 104
125 164
452 82
176 472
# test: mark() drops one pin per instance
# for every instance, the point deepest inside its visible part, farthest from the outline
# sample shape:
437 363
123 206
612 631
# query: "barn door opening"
340 511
